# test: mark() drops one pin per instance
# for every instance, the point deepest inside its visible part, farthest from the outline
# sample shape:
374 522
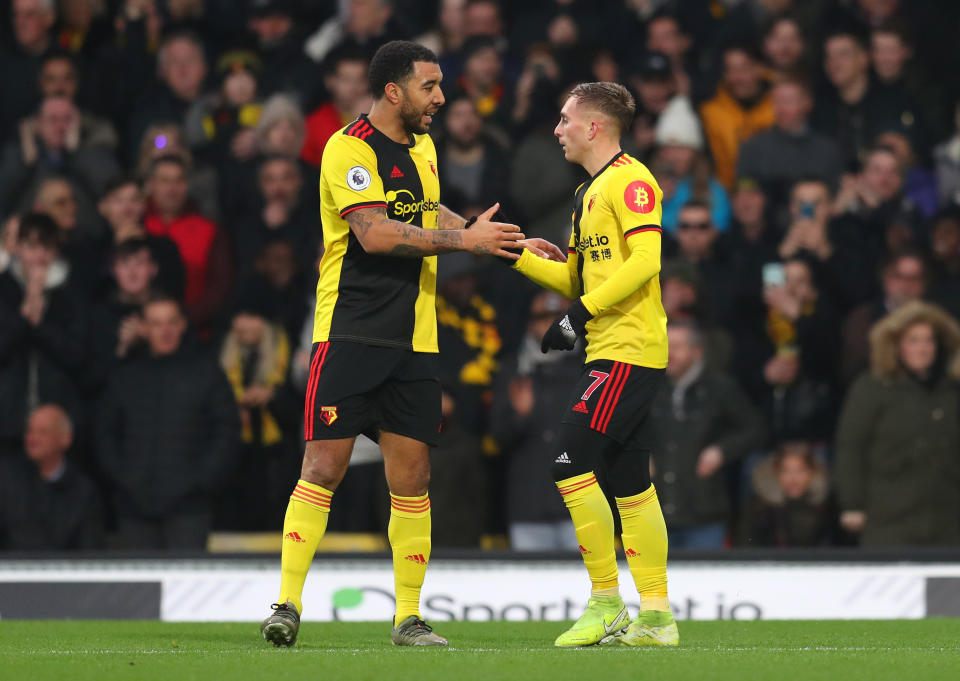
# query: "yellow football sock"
645 543
409 533
303 528
593 522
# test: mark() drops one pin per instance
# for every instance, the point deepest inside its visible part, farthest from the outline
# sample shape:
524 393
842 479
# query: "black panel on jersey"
578 213
378 292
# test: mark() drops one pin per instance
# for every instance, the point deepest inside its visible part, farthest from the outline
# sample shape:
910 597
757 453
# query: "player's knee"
325 463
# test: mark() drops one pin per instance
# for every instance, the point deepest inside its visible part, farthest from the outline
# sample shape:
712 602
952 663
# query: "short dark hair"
610 99
118 182
40 227
698 203
161 297
393 63
749 49
59 54
166 158
895 27
852 32
129 247
345 53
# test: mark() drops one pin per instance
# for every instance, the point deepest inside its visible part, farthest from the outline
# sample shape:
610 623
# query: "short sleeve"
349 168
636 200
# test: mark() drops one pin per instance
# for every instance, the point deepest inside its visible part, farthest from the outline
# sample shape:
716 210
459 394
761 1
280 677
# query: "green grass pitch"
738 651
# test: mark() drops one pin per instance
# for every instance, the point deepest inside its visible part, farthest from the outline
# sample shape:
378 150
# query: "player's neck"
384 121
599 155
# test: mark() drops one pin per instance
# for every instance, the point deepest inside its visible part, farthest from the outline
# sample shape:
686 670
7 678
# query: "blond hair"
611 99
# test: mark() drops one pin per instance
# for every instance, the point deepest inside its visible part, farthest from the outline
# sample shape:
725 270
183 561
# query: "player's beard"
412 118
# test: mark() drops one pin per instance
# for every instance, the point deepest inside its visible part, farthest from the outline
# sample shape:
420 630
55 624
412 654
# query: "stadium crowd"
160 236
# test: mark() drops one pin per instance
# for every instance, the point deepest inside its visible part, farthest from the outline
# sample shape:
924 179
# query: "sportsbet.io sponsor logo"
367 603
405 207
594 241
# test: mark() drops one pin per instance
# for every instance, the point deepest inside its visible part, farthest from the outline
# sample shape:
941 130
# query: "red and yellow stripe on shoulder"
361 129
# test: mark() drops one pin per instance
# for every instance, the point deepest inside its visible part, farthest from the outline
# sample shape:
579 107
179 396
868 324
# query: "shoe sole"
421 643
279 634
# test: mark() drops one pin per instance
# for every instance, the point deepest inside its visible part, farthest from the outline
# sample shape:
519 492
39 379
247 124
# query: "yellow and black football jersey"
362 297
614 243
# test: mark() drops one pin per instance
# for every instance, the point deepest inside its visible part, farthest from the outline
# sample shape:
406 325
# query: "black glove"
563 333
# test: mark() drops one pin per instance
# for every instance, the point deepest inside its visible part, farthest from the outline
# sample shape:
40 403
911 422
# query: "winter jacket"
167 432
728 124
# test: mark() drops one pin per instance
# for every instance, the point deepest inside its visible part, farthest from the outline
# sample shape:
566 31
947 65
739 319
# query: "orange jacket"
728 125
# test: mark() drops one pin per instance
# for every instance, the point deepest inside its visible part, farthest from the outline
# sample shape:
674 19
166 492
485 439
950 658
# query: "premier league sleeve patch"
358 178
640 197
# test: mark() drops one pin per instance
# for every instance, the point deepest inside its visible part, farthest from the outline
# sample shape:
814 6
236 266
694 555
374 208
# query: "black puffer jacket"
167 431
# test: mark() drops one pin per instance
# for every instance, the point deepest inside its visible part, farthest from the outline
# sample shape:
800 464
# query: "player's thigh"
342 385
409 403
406 464
616 398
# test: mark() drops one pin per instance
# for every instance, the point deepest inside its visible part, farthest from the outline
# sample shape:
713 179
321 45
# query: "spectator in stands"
891 55
471 161
919 183
361 24
181 71
117 332
346 81
450 31
803 334
167 432
203 249
484 83
898 474
47 503
79 246
284 216
286 67
854 111
654 82
945 278
220 124
54 147
903 279
20 62
60 77
255 356
790 504
278 283
42 330
741 108
947 159
789 151
681 297
752 234
530 387
167 139
682 168
701 421
122 208
784 46
666 35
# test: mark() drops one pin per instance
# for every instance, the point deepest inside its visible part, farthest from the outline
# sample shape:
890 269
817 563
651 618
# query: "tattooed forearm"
406 251
447 219
378 234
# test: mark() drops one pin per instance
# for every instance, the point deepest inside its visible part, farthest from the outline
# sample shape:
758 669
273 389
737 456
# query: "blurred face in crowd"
58 78
664 35
240 87
283 138
655 93
165 326
900 145
135 272
881 174
945 239
678 158
48 435
791 106
918 348
349 87
31 23
749 205
483 68
367 17
183 68
280 181
783 44
275 262
794 473
889 55
55 198
798 280
679 297
483 18
845 61
810 198
249 328
33 253
452 17
741 74
463 123
546 307
123 206
168 188
879 10
695 233
685 351
57 117
903 281
77 13
270 29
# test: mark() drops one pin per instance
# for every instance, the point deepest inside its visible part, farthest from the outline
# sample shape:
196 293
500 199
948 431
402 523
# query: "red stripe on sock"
312 502
311 493
411 507
616 398
578 487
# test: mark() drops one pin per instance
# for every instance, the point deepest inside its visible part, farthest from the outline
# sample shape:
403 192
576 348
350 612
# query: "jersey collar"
376 131
615 157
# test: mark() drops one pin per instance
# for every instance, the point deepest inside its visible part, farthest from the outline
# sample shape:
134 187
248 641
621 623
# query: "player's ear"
392 93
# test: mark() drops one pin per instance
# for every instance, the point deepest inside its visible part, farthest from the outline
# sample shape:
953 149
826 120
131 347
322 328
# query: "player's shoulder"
345 148
626 168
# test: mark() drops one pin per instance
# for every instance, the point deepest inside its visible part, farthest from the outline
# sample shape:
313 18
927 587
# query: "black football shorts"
614 399
355 388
